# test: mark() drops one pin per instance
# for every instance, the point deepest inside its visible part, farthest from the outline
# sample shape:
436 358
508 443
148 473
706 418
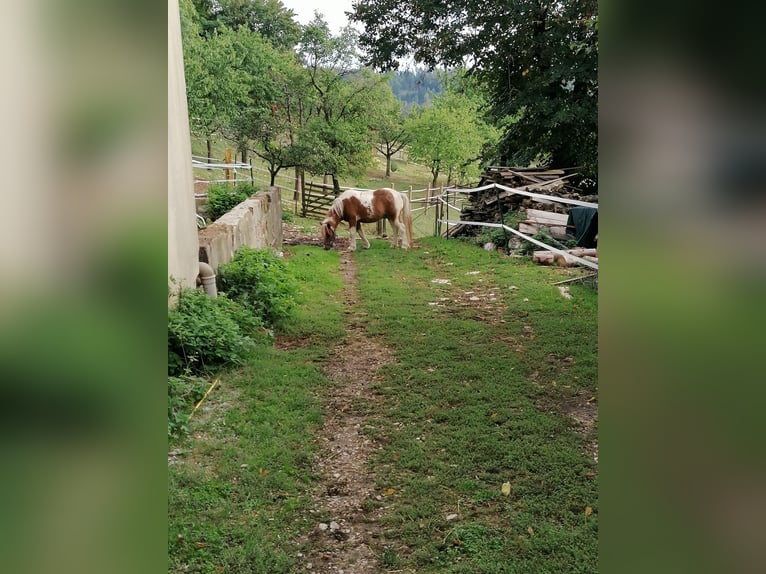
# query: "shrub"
287 216
183 394
204 333
222 197
260 281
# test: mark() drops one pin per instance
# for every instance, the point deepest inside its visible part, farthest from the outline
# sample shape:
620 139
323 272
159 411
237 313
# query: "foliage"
538 60
261 282
183 393
269 18
205 333
388 123
222 197
287 216
337 138
450 136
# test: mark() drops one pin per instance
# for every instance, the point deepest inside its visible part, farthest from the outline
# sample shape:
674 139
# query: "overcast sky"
332 10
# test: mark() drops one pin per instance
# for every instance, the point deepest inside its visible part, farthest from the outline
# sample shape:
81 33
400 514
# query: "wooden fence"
316 199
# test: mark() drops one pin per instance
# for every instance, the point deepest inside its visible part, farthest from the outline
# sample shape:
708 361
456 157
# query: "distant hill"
415 87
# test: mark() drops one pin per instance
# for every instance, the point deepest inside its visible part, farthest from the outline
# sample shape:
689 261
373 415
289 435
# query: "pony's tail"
407 213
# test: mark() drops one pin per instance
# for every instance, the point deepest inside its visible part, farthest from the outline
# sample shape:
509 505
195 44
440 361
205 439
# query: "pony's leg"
352 237
360 229
394 233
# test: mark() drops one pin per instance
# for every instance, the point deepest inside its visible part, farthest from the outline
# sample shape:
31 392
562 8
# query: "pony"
362 206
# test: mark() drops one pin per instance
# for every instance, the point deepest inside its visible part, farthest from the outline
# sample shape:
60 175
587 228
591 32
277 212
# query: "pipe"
207 278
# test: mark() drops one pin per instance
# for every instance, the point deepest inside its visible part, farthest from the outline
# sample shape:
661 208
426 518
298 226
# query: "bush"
287 216
204 333
222 197
183 394
261 282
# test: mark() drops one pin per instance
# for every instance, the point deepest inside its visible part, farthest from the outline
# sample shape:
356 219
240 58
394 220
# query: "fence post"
252 178
428 196
441 208
296 193
436 220
446 209
227 160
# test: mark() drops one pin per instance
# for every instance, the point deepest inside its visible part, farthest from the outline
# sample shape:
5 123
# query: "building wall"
183 246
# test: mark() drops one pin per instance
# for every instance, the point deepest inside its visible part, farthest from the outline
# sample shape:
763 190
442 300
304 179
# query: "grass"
463 416
238 492
473 401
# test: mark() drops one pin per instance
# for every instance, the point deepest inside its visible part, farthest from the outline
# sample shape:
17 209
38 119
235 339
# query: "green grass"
473 401
462 416
238 492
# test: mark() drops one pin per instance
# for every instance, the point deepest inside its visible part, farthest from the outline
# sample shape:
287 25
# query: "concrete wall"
183 264
256 222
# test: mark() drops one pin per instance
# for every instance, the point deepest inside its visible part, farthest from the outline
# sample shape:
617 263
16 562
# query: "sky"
332 10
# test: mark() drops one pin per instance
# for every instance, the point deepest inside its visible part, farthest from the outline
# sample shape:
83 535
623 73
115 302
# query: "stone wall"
256 222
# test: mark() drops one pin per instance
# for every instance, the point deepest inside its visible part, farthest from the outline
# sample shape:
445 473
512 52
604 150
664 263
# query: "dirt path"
344 537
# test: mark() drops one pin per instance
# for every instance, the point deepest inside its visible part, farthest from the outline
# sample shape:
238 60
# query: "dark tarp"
585 222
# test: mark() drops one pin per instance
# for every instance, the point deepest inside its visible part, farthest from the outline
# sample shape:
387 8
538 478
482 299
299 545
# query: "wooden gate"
317 199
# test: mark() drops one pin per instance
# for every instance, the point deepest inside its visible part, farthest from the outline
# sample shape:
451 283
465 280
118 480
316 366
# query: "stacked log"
487 206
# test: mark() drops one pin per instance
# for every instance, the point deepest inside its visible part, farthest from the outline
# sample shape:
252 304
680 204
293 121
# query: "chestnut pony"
362 206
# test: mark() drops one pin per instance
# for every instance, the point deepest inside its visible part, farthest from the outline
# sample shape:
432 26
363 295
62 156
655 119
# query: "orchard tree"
217 85
450 136
336 138
538 60
388 125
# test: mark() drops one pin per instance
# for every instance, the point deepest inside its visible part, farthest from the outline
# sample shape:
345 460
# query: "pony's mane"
337 207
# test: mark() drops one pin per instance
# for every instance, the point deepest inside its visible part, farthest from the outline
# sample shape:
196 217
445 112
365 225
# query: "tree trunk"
209 151
335 185
388 166
436 176
244 155
273 176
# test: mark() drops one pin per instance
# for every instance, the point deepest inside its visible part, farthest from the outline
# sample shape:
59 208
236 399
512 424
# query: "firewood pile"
486 206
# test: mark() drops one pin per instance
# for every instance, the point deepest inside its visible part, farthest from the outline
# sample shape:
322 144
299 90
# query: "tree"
388 124
216 81
537 58
450 135
336 137
269 18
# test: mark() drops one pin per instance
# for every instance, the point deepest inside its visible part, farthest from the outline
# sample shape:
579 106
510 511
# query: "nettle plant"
205 333
261 282
222 197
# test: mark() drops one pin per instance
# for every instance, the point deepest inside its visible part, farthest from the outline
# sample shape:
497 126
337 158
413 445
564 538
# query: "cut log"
551 258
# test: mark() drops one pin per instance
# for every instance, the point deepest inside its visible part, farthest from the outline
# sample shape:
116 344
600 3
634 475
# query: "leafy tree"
537 58
216 80
336 137
450 135
269 18
388 124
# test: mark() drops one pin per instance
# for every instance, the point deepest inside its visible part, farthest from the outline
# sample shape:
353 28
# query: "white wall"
183 245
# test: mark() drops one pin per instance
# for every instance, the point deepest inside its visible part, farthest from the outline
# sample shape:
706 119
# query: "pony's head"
327 232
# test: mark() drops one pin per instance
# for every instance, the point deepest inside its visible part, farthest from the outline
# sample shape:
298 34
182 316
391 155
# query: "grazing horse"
360 206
